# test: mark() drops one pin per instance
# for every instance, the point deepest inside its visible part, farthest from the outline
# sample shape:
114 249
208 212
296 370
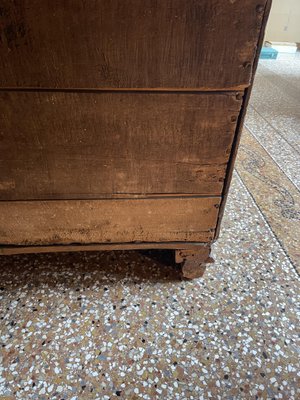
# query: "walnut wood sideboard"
120 121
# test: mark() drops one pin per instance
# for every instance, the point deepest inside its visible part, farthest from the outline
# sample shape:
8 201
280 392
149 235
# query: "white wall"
284 21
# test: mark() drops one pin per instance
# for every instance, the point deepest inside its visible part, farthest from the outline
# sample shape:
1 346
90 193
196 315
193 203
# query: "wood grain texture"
241 119
100 221
128 43
57 145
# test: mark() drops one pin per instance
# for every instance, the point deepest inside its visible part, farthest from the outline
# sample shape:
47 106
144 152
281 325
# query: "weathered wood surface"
96 44
10 250
100 221
57 145
194 261
239 127
129 118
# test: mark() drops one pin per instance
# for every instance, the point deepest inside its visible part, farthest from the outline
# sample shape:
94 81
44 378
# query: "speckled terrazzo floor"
107 325
269 157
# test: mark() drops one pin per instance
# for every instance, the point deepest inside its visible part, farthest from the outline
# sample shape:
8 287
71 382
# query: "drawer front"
198 44
103 221
56 145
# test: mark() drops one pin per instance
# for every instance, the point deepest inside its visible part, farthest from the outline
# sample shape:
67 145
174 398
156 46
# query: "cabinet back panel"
129 43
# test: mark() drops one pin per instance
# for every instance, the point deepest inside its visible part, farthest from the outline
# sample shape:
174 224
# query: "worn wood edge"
190 273
241 119
194 261
183 254
227 90
11 250
122 196
113 196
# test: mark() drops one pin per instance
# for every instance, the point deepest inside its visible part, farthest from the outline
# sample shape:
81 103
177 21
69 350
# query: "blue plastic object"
267 53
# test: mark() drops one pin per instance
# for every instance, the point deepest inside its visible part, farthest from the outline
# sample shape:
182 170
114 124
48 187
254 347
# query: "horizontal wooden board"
69 145
102 221
198 44
10 250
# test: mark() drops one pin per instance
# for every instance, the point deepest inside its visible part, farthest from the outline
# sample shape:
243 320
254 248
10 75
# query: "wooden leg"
194 261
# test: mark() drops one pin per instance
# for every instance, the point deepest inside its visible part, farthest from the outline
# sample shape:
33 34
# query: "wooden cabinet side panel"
240 123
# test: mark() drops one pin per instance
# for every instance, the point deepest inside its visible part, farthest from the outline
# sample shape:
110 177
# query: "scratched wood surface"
136 44
100 221
57 145
130 109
